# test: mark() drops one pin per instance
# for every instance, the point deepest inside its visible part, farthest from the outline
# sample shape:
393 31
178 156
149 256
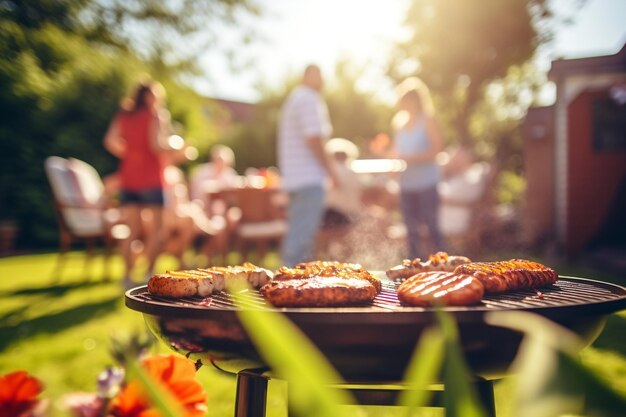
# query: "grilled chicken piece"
242 275
427 289
318 291
329 269
515 274
440 261
206 281
176 284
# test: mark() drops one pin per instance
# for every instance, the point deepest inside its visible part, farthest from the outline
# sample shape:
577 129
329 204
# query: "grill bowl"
375 342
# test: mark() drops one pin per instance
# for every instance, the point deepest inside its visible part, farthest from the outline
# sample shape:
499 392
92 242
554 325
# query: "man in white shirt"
303 129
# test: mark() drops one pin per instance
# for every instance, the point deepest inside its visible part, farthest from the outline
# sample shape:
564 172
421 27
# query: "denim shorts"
152 196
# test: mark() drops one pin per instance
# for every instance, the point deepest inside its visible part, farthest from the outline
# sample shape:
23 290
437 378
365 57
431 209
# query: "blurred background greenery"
66 64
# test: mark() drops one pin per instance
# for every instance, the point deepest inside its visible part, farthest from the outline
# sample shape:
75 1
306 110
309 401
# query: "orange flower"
177 375
18 394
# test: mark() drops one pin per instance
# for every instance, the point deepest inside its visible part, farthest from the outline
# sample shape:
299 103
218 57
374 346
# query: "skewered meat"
204 282
510 275
427 289
440 261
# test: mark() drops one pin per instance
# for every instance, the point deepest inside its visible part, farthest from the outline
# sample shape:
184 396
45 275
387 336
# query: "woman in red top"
137 137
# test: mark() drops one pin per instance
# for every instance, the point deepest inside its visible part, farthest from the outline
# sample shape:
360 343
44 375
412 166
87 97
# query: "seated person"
343 202
185 220
216 175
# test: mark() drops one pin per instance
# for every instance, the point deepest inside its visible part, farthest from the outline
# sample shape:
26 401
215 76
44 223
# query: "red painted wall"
593 176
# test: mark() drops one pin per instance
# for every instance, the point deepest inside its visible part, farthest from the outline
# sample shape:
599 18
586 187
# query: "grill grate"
566 292
374 342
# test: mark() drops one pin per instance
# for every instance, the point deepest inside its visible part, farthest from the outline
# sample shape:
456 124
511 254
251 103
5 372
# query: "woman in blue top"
417 141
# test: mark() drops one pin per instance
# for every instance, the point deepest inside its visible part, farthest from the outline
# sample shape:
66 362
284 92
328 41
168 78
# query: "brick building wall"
594 175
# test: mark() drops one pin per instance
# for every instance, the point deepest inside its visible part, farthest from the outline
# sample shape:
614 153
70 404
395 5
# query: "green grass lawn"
59 331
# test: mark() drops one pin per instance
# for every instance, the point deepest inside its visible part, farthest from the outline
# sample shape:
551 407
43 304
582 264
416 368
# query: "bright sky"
299 32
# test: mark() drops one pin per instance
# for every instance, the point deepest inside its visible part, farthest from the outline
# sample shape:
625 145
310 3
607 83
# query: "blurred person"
209 186
185 220
303 129
270 177
216 175
379 145
137 136
417 141
343 202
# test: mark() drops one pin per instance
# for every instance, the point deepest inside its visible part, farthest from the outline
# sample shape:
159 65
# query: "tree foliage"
356 115
254 141
64 66
478 57
148 28
57 97
460 48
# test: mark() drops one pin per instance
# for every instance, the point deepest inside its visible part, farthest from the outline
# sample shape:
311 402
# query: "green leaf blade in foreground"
460 398
599 398
423 370
551 379
293 357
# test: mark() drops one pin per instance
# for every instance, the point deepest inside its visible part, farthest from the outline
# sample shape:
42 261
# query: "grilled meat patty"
439 261
515 274
327 269
320 284
206 281
427 289
318 291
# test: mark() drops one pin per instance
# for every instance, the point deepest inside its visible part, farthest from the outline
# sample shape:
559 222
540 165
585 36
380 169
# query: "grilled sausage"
515 274
440 261
427 289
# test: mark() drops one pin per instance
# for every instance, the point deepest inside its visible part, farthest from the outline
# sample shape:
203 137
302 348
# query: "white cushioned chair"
80 205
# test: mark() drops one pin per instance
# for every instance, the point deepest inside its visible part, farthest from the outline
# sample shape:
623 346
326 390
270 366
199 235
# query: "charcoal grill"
373 343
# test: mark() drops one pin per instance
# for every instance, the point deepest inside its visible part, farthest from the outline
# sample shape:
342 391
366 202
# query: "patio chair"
79 202
261 223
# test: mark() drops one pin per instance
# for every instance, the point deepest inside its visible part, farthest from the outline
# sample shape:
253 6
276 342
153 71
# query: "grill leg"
251 394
